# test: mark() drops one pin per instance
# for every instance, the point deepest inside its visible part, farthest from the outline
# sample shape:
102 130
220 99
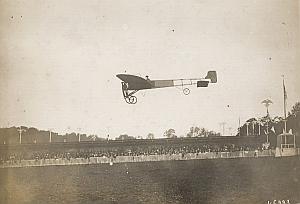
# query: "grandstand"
133 147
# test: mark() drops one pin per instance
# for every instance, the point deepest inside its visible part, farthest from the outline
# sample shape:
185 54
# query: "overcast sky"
58 61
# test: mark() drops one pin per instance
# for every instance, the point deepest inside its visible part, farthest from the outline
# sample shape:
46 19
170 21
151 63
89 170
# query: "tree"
194 132
71 137
200 132
170 133
213 134
293 120
150 136
295 109
9 135
125 137
255 126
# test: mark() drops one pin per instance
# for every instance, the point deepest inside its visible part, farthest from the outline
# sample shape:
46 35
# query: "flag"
284 98
284 104
284 91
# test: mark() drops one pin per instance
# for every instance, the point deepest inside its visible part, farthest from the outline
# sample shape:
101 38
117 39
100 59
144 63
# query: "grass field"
246 180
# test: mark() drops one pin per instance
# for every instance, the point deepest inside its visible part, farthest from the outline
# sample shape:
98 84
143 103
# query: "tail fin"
212 75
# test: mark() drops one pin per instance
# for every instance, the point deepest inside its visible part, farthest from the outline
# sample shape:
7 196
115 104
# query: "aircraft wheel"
127 99
186 91
132 100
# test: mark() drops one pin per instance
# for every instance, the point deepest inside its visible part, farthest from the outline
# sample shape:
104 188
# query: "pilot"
147 78
124 86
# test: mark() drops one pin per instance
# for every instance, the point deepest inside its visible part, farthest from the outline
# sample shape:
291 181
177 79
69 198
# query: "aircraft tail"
212 75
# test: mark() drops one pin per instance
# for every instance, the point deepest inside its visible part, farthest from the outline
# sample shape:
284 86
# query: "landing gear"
131 99
128 96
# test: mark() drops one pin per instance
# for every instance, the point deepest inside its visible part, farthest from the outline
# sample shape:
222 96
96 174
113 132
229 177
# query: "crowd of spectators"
130 151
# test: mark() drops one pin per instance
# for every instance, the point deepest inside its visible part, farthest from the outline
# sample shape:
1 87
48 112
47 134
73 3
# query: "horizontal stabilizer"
202 83
212 75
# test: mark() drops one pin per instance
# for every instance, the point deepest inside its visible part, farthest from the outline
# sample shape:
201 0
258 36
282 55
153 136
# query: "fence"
140 158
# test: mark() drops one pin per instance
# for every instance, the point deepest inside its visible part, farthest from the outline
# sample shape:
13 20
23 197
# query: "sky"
59 60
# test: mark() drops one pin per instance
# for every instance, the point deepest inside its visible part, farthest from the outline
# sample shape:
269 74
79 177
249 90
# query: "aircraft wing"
135 82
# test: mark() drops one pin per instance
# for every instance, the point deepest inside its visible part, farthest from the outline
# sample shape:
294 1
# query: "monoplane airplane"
132 84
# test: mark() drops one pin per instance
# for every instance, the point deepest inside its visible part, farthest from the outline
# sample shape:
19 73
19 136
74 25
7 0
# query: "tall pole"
267 130
50 136
79 130
267 103
20 130
223 127
284 103
108 132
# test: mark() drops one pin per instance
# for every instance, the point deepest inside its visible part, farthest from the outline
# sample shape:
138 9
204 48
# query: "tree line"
263 126
11 135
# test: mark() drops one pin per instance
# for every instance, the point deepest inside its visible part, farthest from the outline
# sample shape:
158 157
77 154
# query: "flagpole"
284 103
239 126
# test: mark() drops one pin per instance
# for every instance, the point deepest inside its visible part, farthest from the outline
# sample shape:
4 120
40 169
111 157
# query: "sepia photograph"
150 102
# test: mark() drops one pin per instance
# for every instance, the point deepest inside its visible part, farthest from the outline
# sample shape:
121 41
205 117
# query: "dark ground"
248 180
